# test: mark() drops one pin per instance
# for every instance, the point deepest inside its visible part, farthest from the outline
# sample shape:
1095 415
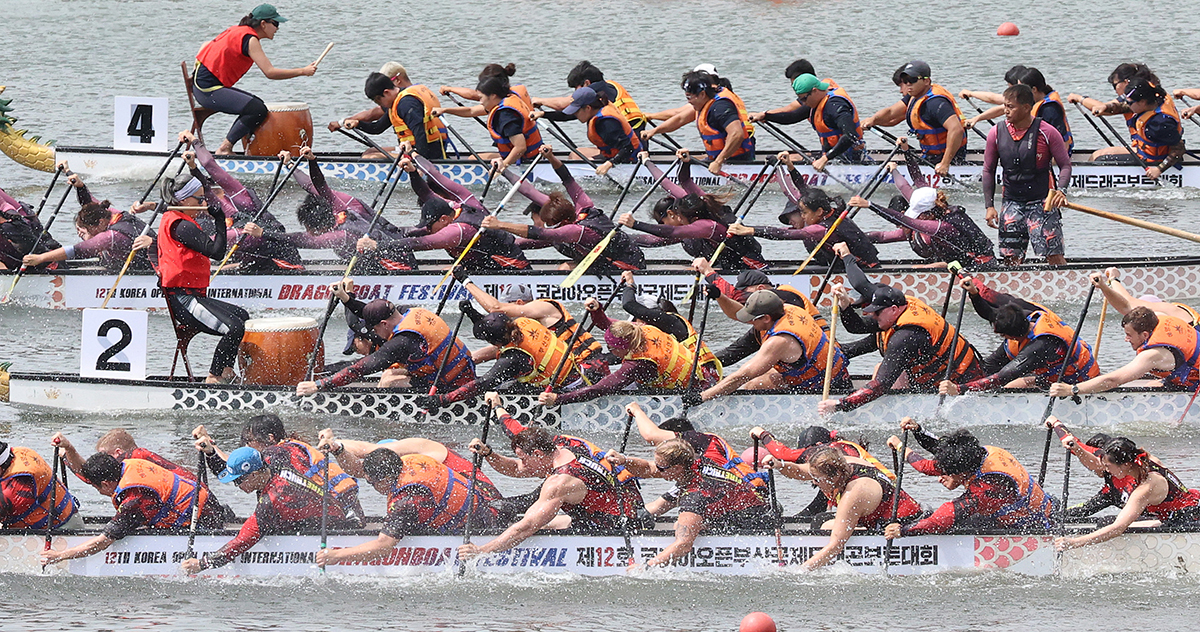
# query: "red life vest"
339 480
830 136
718 460
882 514
1178 495
611 491
529 129
1150 151
1194 316
223 55
178 265
26 462
465 468
1046 323
808 371
175 493
948 345
610 112
714 139
933 139
1180 339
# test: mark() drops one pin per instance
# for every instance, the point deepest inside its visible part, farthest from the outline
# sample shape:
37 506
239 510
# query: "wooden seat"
183 338
199 114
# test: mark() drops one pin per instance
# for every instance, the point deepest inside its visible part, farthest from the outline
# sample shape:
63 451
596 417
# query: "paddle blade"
587 262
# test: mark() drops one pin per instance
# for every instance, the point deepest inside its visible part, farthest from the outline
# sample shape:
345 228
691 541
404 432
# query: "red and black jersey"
908 509
465 467
612 492
170 466
1179 496
720 502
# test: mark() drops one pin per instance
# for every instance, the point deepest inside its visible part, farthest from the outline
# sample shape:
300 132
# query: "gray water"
64 61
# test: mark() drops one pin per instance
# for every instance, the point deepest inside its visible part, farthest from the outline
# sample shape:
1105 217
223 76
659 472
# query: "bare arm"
269 70
554 492
770 353
1154 488
861 497
687 529
647 428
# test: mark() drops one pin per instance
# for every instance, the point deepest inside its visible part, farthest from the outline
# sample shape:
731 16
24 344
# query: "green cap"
267 12
807 83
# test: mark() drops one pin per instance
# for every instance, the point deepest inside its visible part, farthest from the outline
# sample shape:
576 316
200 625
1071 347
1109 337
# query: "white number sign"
140 123
113 344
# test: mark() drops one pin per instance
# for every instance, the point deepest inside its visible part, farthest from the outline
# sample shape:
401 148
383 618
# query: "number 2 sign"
113 344
140 123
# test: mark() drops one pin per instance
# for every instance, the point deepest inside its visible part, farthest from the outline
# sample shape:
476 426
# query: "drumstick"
318 62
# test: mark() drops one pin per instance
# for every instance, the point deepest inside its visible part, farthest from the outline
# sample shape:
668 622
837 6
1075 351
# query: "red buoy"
1008 29
757 622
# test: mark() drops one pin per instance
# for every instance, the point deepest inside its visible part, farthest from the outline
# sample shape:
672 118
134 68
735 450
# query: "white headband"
188 189
5 454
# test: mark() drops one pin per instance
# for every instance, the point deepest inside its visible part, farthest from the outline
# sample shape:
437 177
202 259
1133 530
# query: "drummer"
226 59
106 234
518 302
184 251
417 339
410 109
1166 348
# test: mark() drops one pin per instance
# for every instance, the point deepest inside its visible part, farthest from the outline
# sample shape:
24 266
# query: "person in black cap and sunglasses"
720 116
931 113
226 59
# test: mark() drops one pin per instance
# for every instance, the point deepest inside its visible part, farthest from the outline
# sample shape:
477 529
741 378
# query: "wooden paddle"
887 547
1158 228
201 477
323 54
1062 370
257 216
833 324
582 267
42 235
480 231
476 464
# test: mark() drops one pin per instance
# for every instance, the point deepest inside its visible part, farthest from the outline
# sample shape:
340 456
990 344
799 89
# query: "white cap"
709 68
921 200
393 68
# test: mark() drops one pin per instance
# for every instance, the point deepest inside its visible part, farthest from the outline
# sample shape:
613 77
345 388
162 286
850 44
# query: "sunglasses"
273 23
803 95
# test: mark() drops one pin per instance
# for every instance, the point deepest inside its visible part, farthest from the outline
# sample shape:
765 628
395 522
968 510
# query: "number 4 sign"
113 344
140 124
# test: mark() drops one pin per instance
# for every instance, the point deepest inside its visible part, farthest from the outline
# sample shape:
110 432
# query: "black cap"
788 209
605 88
434 209
883 297
493 328
746 278
916 69
376 312
813 435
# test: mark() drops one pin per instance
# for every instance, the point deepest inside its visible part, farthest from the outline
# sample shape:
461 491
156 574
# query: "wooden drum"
276 350
289 127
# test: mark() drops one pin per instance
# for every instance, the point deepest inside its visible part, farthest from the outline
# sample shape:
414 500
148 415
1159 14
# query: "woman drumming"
184 251
809 214
226 59
699 221
937 232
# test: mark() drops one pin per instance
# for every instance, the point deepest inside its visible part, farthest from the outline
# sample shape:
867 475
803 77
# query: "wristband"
339 450
490 451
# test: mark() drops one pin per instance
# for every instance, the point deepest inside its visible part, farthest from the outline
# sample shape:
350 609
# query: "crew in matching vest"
948 344
608 150
714 139
612 492
807 373
27 498
1181 339
529 129
435 131
1046 323
1054 100
173 495
429 495
932 138
1152 146
438 341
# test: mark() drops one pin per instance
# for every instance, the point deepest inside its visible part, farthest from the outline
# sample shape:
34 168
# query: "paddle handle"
833 323
323 54
1158 228
625 434
1100 329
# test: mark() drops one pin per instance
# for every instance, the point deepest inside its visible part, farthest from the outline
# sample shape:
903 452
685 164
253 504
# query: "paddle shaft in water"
900 462
476 465
257 216
1062 370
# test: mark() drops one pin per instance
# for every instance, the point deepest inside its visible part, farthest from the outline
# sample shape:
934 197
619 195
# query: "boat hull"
1170 279
604 556
606 414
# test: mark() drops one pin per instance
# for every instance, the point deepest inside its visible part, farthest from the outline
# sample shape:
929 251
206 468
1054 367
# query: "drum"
288 127
277 350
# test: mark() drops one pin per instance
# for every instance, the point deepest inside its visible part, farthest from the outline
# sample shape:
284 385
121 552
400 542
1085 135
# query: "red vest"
223 55
178 265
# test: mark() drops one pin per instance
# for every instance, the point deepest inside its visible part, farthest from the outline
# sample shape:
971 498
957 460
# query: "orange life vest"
26 462
175 493
808 306
438 343
948 345
610 112
521 91
714 139
529 129
1053 97
545 351
1150 151
223 55
809 370
1033 507
830 136
435 129
707 357
626 105
1194 321
1083 364
586 345
933 139
1181 339
674 361
339 480
178 265
448 489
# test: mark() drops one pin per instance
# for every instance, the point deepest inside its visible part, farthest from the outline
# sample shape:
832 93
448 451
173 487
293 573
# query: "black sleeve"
855 324
509 366
983 307
614 136
862 346
509 123
721 114
739 349
652 315
936 112
839 114
215 462
906 346
412 110
378 126
995 360
1038 353
83 195
790 118
926 439
558 117
858 280
798 180
193 237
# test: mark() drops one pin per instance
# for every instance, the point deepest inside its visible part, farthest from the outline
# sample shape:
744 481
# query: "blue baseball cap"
242 461
581 97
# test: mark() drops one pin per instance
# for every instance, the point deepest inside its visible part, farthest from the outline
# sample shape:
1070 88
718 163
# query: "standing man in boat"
1166 348
998 492
1036 342
793 352
226 59
417 339
596 494
27 498
931 113
913 340
410 109
184 251
720 116
288 501
146 496
1024 147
